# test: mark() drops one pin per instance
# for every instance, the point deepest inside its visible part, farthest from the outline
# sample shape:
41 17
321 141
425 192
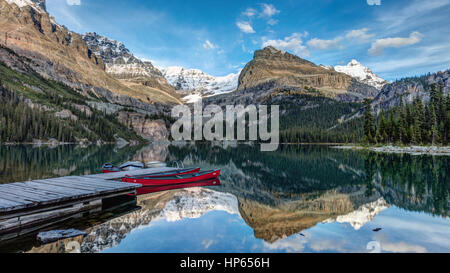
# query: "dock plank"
7 203
42 188
79 184
17 199
25 200
103 182
96 182
19 187
118 175
63 190
71 185
23 195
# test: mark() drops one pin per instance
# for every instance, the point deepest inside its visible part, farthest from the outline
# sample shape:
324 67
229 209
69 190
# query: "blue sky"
395 38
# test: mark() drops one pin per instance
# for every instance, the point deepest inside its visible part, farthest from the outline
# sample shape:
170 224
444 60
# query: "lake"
300 198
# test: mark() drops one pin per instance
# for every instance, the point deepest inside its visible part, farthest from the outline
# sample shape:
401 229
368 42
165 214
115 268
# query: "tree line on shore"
19 122
418 123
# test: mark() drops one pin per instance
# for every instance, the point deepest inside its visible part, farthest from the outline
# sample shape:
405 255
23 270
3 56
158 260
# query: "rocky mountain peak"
273 53
109 50
37 4
119 60
362 215
353 63
361 73
271 65
121 64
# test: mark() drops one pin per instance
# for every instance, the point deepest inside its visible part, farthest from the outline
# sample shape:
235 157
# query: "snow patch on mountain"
37 4
192 98
118 59
195 84
362 215
360 72
195 202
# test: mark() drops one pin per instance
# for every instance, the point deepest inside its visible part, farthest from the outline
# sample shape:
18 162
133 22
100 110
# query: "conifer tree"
369 125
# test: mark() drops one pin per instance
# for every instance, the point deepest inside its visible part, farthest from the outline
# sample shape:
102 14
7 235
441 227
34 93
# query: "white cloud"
403 247
250 12
427 56
416 13
374 2
208 45
73 2
266 12
327 245
325 44
292 244
293 43
359 34
379 45
398 247
245 27
269 10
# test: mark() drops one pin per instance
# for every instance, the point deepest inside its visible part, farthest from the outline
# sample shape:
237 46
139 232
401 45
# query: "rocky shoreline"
413 150
53 142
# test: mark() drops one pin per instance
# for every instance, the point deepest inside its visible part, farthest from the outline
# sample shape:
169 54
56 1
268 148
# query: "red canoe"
177 179
165 174
147 190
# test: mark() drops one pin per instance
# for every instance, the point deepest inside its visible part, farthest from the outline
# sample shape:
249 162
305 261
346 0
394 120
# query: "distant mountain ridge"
33 43
277 68
114 53
121 64
195 84
111 79
273 72
410 88
63 55
360 72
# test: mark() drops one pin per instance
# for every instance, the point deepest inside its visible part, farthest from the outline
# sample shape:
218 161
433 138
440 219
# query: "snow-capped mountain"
363 214
196 84
361 73
195 202
121 64
119 61
37 4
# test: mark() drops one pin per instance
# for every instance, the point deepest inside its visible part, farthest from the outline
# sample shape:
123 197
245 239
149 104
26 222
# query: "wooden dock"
24 204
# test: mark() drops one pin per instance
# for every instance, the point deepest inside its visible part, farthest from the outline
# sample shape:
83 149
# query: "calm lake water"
297 199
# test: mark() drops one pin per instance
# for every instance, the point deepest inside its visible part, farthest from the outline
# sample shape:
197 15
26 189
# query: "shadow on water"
278 194
26 240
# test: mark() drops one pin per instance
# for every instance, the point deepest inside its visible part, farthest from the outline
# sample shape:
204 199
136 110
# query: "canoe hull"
172 180
167 173
147 190
109 171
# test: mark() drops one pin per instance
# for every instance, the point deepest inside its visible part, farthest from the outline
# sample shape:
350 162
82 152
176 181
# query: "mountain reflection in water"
297 199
